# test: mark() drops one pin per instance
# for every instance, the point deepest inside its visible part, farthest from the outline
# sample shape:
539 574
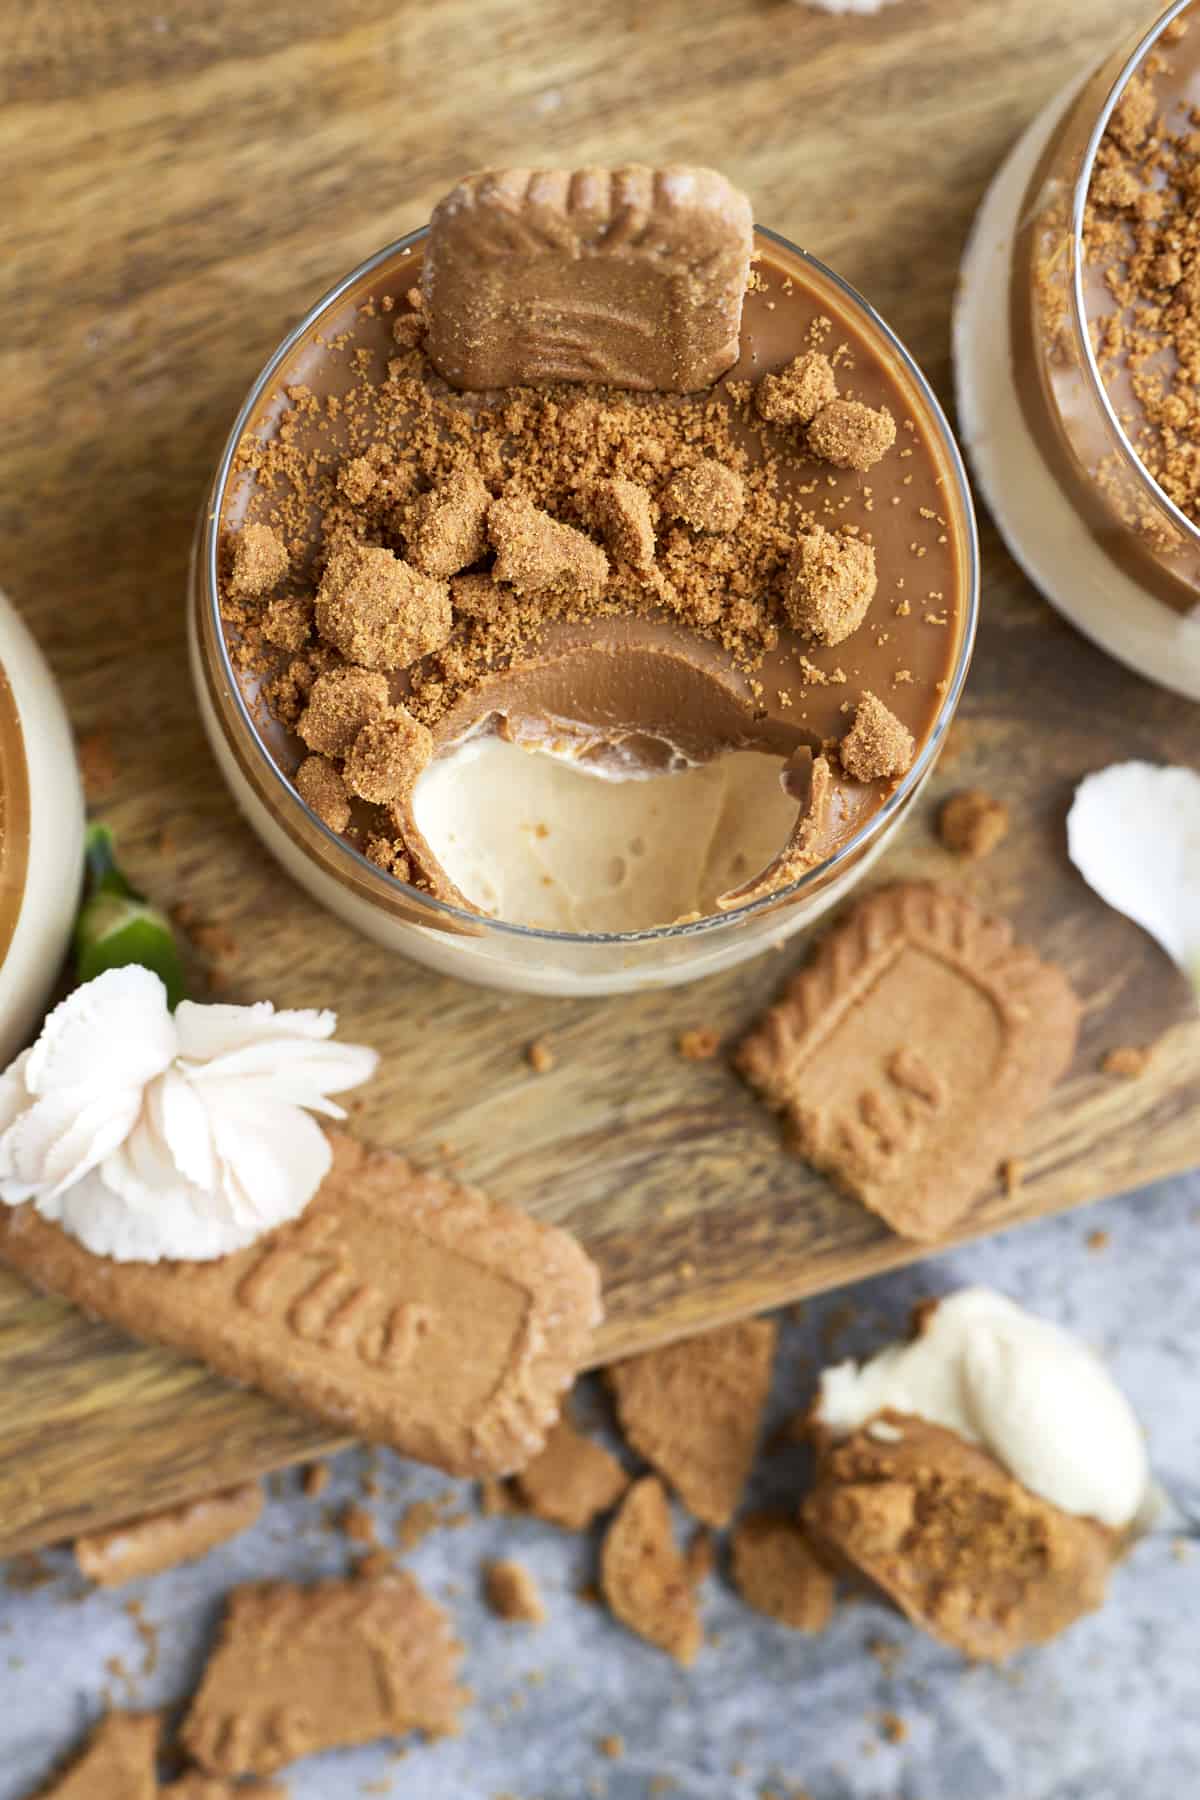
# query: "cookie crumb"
698 1045
777 1573
972 823
1098 1240
1127 1062
850 435
829 585
710 496
315 1480
540 1056
535 554
387 756
379 611
260 561
97 764
321 787
512 1593
796 395
623 510
358 1524
893 1727
449 525
612 1746
877 747
700 1557
340 703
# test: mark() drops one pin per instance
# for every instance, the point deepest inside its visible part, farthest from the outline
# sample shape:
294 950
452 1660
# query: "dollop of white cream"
1034 1396
149 1135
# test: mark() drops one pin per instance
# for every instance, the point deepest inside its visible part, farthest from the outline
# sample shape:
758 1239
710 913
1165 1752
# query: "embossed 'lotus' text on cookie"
633 277
908 1054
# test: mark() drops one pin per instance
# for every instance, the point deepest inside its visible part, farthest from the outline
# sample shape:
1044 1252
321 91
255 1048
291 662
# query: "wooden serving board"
179 183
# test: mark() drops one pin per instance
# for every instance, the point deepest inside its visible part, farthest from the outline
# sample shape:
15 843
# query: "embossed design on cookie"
633 277
908 1054
298 1670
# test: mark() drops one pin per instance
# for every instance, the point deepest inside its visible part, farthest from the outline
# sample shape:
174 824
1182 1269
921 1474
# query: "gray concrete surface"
1110 1712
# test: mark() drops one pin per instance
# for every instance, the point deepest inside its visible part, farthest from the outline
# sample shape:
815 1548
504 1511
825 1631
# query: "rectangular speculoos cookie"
908 1053
633 277
400 1308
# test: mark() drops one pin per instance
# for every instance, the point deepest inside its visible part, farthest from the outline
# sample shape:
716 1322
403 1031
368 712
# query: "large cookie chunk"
398 1308
633 277
910 1051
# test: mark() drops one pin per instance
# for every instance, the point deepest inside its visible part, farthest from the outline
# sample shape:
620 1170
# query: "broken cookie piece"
573 1481
116 1763
448 530
319 784
908 1054
302 1669
386 757
378 611
877 746
623 510
850 435
645 1579
953 1540
777 1573
260 561
535 554
633 277
340 703
829 584
709 496
796 395
694 1410
161 1540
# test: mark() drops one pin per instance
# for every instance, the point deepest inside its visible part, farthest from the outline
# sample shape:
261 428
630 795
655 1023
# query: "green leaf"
117 926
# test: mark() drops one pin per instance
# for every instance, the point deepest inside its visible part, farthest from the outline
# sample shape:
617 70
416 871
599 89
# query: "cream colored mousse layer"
541 840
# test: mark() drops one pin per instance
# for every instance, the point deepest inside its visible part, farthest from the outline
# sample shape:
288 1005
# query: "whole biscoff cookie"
633 277
909 1052
297 1670
399 1308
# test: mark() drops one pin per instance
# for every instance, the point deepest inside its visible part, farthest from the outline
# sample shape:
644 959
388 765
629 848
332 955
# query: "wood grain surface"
179 182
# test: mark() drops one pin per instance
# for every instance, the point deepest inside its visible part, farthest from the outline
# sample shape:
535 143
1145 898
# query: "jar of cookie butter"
564 667
41 833
1077 350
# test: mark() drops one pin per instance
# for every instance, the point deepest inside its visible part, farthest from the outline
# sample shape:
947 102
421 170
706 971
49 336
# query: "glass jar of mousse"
259 764
1051 406
41 833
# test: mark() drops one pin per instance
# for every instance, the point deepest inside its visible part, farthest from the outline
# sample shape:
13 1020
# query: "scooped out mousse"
601 574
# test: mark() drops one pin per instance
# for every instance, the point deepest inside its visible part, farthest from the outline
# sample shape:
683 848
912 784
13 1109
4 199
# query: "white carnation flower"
149 1135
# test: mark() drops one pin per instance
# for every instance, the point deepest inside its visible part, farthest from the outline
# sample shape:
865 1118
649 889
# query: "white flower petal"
206 1032
275 1158
106 1225
113 1032
299 1073
1134 835
181 1117
57 1140
14 1095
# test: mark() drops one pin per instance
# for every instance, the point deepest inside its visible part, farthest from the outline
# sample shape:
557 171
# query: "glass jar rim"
477 923
1083 182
